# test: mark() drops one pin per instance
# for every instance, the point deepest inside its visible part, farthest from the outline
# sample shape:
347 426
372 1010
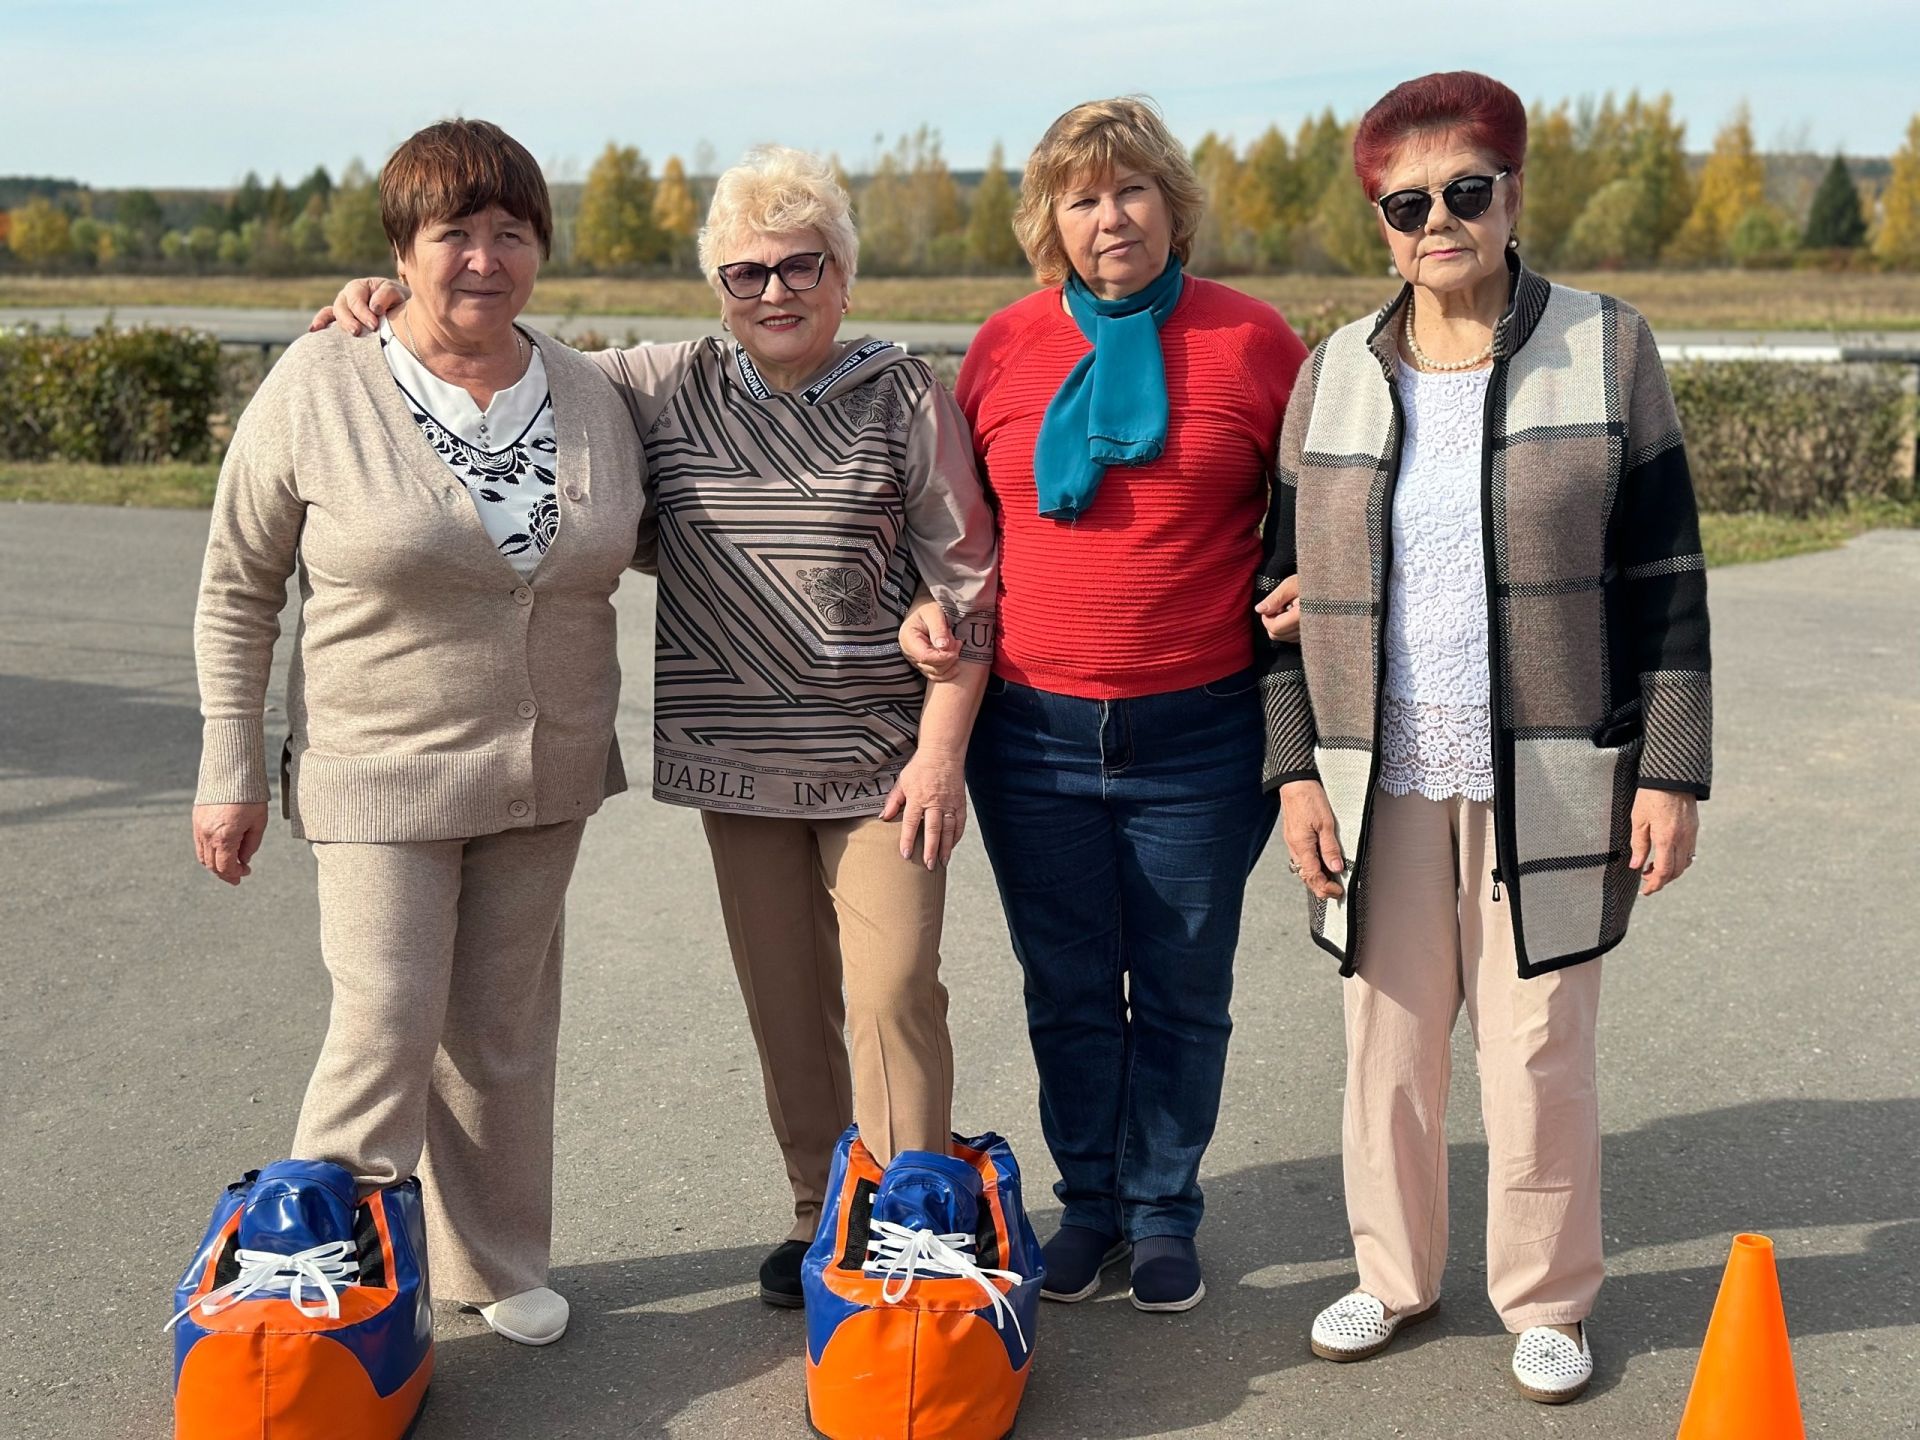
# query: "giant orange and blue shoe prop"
922 1289
305 1313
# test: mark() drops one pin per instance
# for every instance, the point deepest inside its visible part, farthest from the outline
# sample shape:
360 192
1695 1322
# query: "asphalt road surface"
1757 1048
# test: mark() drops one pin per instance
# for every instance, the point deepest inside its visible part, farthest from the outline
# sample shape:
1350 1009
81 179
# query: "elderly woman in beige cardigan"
459 497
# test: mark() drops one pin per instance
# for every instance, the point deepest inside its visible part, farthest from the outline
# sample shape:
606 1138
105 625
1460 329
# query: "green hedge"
113 397
1787 439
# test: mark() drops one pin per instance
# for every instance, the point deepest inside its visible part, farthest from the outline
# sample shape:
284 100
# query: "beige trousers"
439 1056
836 941
1435 937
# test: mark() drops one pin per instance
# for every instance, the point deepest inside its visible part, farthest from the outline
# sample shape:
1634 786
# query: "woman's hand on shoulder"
1313 840
926 639
1666 827
226 837
360 304
930 800
1279 611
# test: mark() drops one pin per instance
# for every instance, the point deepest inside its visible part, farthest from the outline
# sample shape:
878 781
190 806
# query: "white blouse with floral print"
504 455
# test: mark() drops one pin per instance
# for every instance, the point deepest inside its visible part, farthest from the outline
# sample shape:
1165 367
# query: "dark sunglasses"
1466 198
748 279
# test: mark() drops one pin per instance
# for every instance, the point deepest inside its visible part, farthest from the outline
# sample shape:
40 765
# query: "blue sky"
188 92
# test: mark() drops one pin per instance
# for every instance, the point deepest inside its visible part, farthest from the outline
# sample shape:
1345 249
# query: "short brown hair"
460 167
1098 138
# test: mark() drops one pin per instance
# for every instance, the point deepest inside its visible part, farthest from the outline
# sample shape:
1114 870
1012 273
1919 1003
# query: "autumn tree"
1733 182
40 233
1897 241
616 230
1559 182
1346 229
991 244
352 230
911 216
1216 244
1606 236
675 215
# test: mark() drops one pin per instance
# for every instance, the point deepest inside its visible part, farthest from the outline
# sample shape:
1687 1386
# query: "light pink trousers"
1435 937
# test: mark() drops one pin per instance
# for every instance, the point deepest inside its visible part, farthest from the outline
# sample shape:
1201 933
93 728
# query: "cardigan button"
575 493
523 595
518 809
527 709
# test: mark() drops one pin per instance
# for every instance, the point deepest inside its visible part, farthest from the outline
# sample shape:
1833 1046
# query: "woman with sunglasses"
1496 725
806 487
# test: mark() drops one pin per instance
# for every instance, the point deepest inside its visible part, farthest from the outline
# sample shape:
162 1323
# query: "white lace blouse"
503 455
1436 726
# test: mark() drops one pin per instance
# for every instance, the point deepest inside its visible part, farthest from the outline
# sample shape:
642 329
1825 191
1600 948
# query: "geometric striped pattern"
793 532
1597 621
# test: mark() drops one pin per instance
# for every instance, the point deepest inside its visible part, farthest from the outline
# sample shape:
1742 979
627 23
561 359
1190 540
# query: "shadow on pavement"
143 745
1103 1368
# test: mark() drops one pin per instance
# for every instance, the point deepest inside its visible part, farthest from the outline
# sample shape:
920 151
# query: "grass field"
1672 300
1729 539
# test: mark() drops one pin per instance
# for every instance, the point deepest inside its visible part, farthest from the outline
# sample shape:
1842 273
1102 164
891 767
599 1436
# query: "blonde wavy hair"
772 191
1094 139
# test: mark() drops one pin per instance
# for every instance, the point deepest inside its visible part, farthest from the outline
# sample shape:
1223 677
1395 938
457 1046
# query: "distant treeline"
1609 185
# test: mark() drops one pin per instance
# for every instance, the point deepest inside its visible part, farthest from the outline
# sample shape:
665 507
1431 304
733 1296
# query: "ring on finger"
1293 866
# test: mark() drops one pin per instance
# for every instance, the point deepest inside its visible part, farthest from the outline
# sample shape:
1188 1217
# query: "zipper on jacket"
1496 876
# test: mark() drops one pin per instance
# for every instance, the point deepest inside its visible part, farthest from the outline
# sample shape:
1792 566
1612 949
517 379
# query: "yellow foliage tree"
615 229
40 232
675 214
1215 244
991 244
1897 241
1733 183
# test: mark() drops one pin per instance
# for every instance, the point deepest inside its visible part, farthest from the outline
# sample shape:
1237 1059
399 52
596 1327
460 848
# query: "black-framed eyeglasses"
748 279
1466 198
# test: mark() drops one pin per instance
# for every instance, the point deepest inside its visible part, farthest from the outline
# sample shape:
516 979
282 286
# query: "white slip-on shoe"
1550 1368
1357 1327
533 1317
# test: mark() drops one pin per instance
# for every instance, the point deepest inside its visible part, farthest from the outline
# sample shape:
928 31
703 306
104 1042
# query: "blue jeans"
1121 833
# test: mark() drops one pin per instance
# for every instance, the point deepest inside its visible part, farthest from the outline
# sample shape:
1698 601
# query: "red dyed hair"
1480 110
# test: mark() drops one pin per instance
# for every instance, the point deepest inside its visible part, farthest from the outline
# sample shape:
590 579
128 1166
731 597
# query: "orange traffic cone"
1743 1388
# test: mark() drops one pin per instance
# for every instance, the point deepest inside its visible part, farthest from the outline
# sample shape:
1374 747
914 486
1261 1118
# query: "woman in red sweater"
1126 418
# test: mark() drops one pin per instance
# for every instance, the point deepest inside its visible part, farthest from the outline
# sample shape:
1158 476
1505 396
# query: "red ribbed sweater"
1151 588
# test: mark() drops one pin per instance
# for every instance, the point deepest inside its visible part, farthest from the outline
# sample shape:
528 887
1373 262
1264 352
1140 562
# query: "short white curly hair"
773 191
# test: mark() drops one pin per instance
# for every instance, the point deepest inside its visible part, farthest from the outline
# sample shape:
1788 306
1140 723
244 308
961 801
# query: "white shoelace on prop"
325 1269
901 1255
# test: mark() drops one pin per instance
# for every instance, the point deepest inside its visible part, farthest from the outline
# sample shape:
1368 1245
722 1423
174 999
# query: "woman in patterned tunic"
1495 727
459 498
805 489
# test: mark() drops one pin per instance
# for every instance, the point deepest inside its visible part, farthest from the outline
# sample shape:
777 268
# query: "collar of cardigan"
1527 302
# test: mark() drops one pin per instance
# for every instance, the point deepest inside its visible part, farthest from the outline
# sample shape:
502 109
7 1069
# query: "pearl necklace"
1427 362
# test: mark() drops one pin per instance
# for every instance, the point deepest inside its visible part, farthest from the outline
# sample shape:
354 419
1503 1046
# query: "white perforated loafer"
1550 1368
533 1317
1357 1327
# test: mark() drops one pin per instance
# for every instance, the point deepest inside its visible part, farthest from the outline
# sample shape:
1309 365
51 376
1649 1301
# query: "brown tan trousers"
836 941
440 1050
1435 938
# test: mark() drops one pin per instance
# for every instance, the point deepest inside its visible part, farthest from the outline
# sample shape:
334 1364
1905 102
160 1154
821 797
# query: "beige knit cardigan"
434 693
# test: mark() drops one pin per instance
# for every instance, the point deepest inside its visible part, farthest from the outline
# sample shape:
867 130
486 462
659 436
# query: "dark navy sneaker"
1074 1258
1166 1274
780 1275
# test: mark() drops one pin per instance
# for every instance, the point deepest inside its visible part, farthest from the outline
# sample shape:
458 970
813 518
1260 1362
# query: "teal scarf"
1112 407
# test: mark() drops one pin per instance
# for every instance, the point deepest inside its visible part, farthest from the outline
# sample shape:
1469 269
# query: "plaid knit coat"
1596 606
